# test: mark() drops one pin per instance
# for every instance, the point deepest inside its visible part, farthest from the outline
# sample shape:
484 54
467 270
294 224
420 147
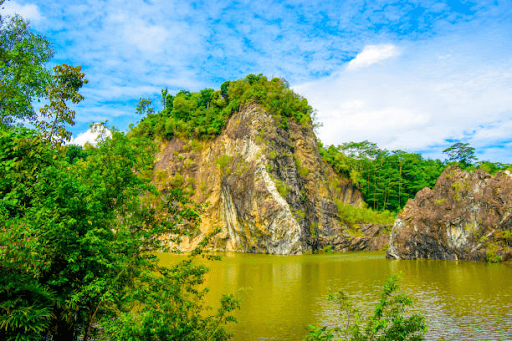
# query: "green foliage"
300 214
272 154
462 153
78 240
282 188
459 188
145 106
176 297
75 153
507 236
386 324
358 215
492 257
439 202
203 115
492 167
23 75
312 230
67 80
304 171
327 249
224 163
386 179
24 78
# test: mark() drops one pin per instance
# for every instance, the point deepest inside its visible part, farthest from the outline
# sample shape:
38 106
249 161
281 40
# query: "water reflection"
283 294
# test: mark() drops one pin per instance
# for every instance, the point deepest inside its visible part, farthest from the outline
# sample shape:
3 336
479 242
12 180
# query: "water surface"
283 294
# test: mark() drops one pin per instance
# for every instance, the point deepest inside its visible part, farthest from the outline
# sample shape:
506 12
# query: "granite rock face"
467 216
268 189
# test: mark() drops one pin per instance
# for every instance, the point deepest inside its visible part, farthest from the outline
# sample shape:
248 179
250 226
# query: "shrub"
358 215
224 162
386 324
282 188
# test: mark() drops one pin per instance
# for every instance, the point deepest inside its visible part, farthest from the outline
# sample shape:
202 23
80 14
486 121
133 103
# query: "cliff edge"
266 186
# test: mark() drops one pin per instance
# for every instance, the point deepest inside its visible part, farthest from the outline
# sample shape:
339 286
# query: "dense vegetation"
78 242
203 114
79 227
388 179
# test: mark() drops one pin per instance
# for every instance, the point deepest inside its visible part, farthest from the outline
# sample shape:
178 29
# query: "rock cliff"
267 187
467 216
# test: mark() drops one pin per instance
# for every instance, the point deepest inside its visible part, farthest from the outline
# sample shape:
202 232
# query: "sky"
411 75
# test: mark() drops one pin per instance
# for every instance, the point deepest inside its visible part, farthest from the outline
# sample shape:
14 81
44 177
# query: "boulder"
467 216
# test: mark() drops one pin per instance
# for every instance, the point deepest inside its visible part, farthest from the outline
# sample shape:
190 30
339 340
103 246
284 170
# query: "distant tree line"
388 179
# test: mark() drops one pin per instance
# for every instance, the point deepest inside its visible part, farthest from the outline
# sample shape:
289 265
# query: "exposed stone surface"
268 189
375 237
467 216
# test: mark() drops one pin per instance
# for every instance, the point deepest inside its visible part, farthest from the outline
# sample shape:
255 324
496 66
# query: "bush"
386 324
358 215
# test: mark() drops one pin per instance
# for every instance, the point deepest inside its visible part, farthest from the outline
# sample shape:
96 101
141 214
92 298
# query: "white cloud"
90 136
418 101
372 54
399 95
28 11
147 38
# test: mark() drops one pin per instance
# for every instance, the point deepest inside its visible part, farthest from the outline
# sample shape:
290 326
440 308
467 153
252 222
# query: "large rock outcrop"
467 216
268 189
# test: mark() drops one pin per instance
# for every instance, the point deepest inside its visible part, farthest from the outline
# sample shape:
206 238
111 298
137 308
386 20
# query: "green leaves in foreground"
78 243
386 324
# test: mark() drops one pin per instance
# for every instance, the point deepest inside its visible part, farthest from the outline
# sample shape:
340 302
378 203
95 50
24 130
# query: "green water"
283 294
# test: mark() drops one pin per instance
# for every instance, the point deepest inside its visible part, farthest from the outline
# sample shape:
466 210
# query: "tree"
461 152
144 106
386 324
386 179
66 81
163 97
23 76
24 79
78 246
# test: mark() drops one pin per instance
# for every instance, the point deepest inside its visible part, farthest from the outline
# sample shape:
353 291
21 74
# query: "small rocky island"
467 216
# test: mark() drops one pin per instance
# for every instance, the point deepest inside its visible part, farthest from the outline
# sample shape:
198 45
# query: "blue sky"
414 75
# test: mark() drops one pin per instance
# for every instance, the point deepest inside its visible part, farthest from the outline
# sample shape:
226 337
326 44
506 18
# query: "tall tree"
461 152
66 82
23 76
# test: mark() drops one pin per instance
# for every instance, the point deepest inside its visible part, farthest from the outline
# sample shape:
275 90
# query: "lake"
281 295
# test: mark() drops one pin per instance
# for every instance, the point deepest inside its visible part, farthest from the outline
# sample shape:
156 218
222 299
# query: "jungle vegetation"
203 114
79 227
388 179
